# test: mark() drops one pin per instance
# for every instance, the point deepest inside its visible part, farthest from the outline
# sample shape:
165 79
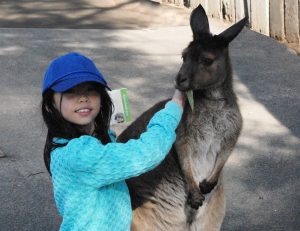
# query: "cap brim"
72 81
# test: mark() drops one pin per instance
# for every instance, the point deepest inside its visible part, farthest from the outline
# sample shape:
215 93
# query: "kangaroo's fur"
171 197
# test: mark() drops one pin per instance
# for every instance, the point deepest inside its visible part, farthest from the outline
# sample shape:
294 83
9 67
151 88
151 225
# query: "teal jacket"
89 178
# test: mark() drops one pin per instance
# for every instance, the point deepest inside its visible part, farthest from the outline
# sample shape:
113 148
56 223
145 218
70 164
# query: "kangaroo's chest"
206 125
204 133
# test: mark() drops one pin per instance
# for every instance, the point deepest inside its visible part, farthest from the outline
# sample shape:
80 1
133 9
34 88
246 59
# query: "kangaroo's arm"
208 184
195 197
228 142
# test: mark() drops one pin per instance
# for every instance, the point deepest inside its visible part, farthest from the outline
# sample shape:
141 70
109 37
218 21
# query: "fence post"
214 8
242 9
277 19
239 10
195 3
179 2
260 16
228 10
291 21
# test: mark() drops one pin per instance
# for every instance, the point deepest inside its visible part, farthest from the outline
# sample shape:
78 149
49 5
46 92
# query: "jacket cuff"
175 109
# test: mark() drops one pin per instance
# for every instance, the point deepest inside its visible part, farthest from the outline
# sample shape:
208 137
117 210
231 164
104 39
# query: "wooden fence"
279 19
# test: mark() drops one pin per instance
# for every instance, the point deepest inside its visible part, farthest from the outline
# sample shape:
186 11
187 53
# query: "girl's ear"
47 108
56 101
54 104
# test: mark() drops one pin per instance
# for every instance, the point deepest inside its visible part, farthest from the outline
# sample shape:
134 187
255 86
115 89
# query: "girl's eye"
71 91
91 89
207 61
69 95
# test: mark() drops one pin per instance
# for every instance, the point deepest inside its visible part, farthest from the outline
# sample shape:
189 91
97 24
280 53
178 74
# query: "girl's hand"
179 98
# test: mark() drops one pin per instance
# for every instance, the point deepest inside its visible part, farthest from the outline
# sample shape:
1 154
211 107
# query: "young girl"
88 168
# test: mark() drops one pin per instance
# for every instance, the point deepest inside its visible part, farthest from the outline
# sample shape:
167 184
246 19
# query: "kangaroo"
171 197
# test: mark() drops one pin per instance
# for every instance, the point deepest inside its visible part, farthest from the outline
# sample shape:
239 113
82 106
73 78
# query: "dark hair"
58 127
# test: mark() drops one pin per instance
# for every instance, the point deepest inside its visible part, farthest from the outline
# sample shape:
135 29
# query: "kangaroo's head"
206 61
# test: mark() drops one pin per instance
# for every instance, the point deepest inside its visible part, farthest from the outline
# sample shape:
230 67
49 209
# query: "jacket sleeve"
112 135
98 165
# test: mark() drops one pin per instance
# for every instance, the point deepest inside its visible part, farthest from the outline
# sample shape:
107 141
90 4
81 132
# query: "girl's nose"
83 98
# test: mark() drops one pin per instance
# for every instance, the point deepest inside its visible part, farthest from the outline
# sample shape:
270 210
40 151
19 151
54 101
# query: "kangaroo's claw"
195 199
206 187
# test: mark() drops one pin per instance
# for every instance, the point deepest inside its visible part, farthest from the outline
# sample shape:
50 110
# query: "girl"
88 168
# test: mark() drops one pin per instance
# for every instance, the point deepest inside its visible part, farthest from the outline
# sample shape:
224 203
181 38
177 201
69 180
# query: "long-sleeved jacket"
89 177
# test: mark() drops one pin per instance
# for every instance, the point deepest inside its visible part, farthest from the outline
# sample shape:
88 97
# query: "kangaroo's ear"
199 22
229 34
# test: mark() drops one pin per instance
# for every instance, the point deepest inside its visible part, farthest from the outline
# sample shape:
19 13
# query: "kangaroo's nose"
182 82
181 79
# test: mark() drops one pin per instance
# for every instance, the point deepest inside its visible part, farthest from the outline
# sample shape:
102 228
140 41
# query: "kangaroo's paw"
195 199
206 187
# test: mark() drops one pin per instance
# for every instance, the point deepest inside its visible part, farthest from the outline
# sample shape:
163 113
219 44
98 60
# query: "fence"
279 19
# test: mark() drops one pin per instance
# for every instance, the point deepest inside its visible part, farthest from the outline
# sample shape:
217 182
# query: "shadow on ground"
261 177
271 73
28 194
79 14
262 174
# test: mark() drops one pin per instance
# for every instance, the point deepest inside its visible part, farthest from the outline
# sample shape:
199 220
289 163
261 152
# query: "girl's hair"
58 127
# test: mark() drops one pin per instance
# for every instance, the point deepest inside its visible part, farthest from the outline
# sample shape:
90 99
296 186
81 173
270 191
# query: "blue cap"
69 70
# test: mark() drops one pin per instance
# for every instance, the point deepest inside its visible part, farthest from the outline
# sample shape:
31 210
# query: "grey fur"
171 197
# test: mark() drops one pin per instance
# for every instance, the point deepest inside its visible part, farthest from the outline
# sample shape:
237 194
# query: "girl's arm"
97 165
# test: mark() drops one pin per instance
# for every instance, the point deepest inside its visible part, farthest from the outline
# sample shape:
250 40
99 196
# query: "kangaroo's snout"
182 82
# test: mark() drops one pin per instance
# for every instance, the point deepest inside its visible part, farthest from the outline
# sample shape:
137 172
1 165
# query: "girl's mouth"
84 111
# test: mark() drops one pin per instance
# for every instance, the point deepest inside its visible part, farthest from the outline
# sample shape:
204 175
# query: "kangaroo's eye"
207 61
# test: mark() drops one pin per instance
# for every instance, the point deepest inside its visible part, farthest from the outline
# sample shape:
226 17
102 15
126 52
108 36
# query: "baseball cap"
67 71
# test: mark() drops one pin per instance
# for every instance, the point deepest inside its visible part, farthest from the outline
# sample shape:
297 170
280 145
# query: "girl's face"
79 105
